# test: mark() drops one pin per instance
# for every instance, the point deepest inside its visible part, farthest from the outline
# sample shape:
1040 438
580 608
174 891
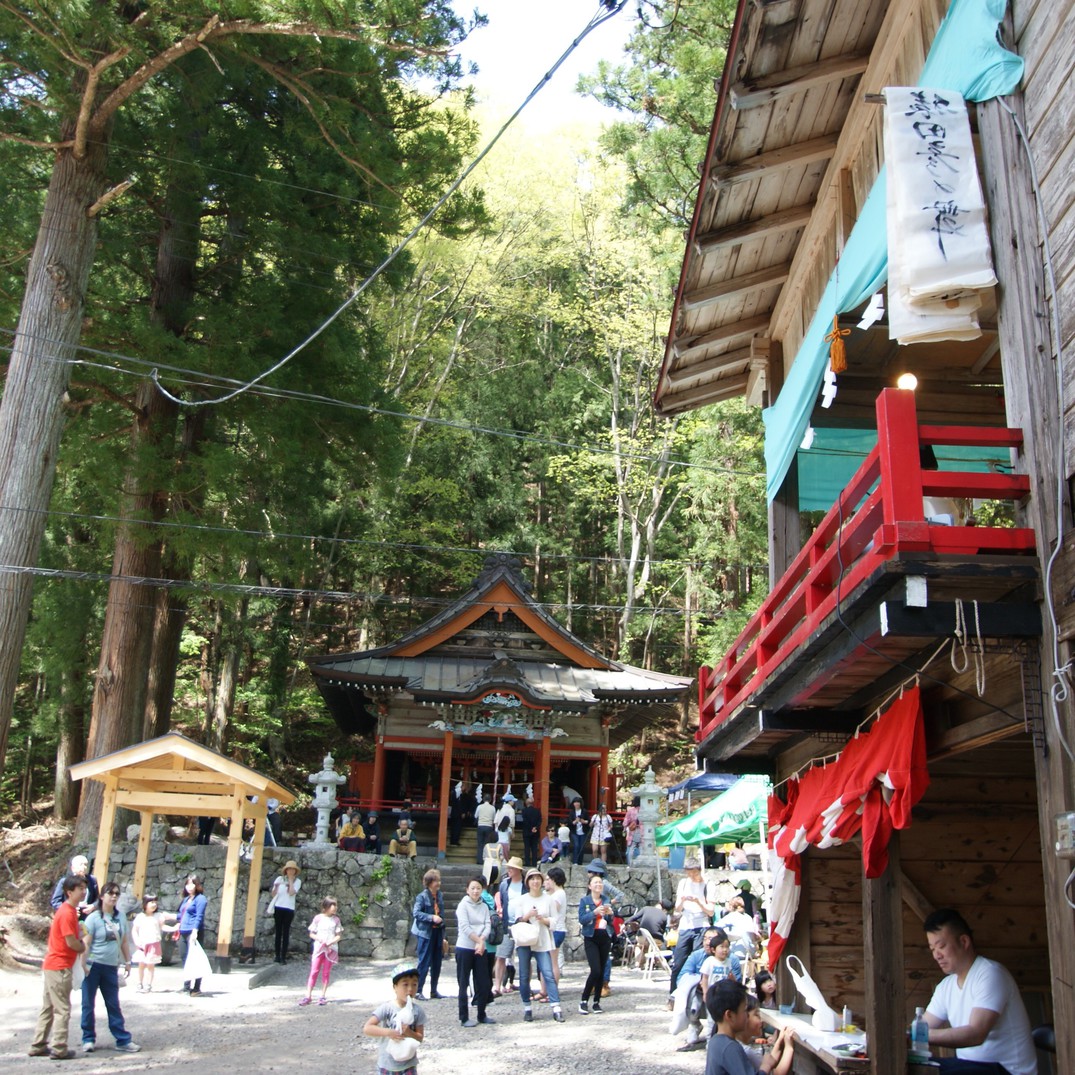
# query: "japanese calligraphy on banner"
939 255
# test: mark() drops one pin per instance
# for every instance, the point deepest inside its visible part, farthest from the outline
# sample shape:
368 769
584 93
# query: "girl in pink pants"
325 932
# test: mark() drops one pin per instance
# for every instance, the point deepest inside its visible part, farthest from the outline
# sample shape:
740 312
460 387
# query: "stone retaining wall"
376 889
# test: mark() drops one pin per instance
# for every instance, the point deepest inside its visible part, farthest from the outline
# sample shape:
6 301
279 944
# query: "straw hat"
516 863
291 864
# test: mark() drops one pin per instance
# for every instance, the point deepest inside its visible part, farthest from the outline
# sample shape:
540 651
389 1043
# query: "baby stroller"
621 934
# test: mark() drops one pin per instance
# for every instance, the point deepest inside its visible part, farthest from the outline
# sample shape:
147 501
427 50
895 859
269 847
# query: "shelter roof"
496 639
794 150
173 764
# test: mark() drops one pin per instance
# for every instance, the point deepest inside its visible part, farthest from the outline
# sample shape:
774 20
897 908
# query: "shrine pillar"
445 793
377 784
541 777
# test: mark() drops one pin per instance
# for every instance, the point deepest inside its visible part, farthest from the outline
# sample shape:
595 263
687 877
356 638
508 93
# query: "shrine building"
494 692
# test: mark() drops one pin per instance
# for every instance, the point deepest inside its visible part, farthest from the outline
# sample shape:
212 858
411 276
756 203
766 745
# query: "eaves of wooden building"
871 595
492 691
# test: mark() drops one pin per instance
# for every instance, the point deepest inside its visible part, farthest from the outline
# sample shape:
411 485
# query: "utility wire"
606 11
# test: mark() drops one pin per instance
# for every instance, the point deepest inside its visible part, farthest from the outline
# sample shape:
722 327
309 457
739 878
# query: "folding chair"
653 955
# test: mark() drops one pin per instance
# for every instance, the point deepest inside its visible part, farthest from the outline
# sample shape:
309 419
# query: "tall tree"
67 71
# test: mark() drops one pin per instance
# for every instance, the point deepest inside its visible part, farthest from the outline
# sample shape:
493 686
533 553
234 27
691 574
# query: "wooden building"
871 594
491 692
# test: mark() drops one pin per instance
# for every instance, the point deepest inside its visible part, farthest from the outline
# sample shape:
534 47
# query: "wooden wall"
974 845
1045 38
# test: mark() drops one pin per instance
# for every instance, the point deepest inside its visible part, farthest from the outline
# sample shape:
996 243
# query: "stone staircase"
454 877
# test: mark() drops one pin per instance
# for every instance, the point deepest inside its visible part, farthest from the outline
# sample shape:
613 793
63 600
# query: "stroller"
621 933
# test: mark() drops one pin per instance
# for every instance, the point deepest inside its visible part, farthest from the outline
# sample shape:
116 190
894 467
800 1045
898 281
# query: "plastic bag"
406 1048
824 1017
197 966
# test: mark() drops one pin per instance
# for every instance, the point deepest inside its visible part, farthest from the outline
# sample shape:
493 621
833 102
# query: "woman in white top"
536 907
554 886
284 890
600 833
473 922
505 826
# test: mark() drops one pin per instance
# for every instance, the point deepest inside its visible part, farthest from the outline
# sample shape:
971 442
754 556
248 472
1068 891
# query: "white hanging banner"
940 259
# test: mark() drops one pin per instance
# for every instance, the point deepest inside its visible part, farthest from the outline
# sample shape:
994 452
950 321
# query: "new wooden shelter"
868 597
492 691
174 775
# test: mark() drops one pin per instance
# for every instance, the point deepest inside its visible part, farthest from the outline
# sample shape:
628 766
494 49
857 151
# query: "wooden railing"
877 516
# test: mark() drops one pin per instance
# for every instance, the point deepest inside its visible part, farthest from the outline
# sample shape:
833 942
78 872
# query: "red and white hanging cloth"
871 787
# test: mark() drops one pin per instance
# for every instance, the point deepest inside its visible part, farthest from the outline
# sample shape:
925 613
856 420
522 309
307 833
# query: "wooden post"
141 861
231 875
377 787
785 537
886 981
1028 365
602 777
445 794
248 951
541 781
104 833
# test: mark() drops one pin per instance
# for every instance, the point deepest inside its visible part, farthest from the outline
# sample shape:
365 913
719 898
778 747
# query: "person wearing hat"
282 900
511 890
386 1021
751 903
694 904
373 834
536 908
612 894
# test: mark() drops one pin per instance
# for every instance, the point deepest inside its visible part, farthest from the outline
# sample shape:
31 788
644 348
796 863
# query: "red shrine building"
492 691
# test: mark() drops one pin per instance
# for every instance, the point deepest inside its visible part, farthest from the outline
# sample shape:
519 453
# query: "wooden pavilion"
492 691
870 593
174 775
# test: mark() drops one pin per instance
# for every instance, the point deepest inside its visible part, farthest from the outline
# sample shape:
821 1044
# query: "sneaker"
469 1022
322 1002
304 1002
419 996
528 1017
488 1020
88 1046
38 1050
558 1016
129 1047
597 1009
584 1008
62 1054
436 996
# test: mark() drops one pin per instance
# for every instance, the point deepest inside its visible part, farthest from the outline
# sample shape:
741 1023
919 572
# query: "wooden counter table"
817 1051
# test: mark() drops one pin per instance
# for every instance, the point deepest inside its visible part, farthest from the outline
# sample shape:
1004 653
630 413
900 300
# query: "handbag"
525 934
496 929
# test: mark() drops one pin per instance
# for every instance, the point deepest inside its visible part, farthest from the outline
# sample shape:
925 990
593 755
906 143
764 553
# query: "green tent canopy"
738 815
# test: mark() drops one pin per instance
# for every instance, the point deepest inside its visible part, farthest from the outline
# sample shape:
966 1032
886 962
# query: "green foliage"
374 888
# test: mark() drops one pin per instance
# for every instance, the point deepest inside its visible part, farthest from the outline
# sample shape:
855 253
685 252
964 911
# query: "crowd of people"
511 924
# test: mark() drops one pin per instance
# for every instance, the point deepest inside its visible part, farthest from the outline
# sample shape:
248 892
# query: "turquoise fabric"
967 57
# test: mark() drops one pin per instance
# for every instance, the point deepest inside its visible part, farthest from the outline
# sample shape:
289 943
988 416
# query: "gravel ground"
234 1027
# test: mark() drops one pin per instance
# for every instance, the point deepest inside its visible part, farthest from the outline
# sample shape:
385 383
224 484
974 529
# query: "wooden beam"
730 333
691 370
445 793
921 907
886 982
711 392
774 161
973 733
174 803
737 286
751 92
141 860
253 898
231 880
736 234
146 774
104 833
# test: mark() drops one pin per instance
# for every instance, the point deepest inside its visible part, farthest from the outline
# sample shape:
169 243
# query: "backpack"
496 929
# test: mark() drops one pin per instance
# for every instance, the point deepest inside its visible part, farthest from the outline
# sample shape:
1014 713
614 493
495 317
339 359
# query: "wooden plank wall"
974 845
1045 38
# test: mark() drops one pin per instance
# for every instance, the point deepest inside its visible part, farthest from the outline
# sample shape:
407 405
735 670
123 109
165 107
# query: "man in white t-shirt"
976 1009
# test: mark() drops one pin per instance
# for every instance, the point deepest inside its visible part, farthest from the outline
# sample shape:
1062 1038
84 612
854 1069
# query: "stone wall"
376 889
360 884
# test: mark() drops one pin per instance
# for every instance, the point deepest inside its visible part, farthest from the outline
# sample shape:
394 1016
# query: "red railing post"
901 471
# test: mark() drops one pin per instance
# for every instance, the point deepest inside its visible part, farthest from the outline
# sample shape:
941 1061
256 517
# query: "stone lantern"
324 801
649 796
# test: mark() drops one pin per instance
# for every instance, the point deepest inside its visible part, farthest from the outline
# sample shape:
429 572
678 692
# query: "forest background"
489 391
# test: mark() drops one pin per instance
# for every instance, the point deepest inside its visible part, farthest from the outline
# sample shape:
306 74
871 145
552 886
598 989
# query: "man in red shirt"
65 942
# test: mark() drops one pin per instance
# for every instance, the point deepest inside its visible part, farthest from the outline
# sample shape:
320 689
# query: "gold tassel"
837 352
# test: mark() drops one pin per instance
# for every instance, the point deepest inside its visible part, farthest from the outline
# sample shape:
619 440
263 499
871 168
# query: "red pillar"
445 792
541 777
377 785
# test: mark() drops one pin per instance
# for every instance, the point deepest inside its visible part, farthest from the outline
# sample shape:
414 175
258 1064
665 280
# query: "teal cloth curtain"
967 57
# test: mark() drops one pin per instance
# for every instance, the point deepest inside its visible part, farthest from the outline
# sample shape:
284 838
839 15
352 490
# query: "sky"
523 39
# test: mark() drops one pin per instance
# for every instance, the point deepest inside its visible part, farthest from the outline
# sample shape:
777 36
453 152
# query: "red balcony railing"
877 516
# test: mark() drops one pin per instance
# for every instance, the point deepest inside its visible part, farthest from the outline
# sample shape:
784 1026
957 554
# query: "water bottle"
919 1036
